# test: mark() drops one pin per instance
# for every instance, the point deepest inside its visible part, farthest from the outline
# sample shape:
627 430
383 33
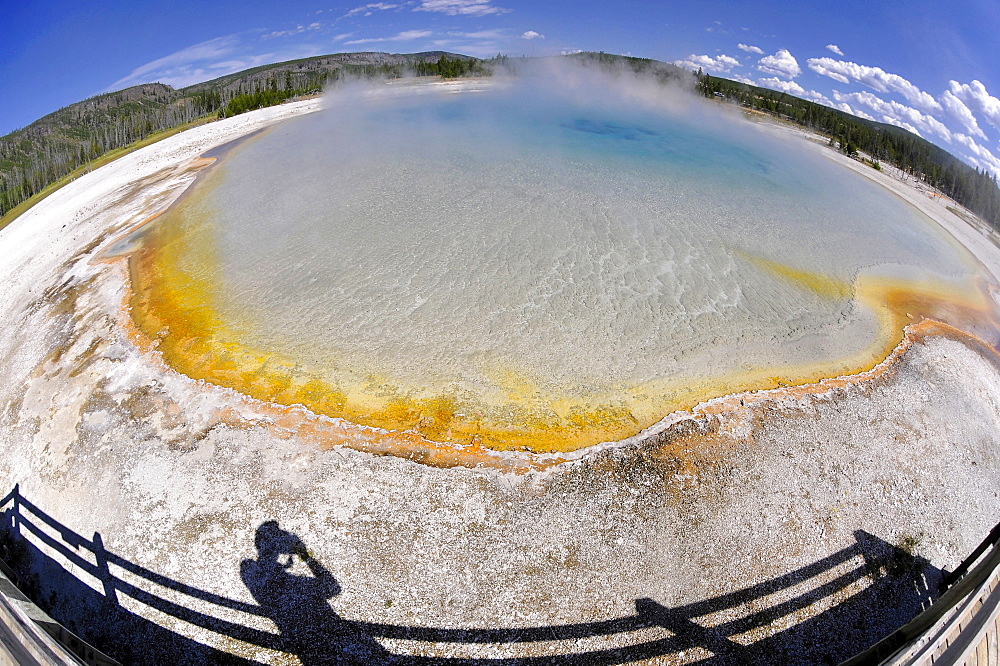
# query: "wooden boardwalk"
961 628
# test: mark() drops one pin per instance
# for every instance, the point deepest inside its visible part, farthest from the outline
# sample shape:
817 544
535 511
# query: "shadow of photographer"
299 604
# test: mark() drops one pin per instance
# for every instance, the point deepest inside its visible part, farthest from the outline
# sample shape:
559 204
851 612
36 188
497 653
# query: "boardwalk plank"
991 644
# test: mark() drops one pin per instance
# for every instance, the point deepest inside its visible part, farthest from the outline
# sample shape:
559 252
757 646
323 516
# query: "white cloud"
784 86
225 64
371 8
411 34
977 155
794 88
531 34
404 36
781 64
721 63
978 99
875 78
820 98
960 112
863 114
818 65
480 34
900 123
835 49
179 65
342 36
294 31
570 51
898 114
750 49
460 7
206 60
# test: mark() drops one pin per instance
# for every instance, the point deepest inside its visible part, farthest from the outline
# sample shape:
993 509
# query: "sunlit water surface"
530 269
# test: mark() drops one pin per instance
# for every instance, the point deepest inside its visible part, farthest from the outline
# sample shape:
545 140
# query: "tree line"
54 146
452 68
974 188
70 138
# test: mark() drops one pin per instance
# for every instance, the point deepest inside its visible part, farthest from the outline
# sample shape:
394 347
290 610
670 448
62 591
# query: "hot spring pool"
531 265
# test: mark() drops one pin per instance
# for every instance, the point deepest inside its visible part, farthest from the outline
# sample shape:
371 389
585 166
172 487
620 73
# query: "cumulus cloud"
781 64
975 96
894 113
819 66
793 88
863 114
750 49
404 36
904 125
820 98
976 154
721 63
775 83
960 112
835 49
875 78
460 7
531 34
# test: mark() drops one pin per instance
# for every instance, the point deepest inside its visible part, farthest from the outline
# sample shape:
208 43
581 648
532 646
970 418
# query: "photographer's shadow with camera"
299 603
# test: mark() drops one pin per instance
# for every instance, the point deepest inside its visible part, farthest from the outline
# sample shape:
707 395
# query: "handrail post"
16 501
104 571
991 540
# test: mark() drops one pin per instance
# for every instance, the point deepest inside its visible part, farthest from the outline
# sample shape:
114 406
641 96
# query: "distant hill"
662 71
71 138
48 149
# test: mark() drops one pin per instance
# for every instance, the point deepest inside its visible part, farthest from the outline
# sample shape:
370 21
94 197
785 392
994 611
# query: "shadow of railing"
820 613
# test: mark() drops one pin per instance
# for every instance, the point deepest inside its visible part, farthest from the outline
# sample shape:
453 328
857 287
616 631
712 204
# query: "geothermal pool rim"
488 396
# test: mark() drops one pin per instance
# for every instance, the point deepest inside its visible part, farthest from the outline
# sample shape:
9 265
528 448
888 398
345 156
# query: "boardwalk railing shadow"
821 613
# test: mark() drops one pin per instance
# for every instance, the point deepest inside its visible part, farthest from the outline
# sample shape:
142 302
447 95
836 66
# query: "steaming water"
538 256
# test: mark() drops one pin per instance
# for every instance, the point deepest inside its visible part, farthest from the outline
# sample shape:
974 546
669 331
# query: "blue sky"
932 67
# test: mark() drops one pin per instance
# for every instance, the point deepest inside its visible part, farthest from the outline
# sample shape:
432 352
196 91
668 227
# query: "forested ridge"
52 147
72 137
